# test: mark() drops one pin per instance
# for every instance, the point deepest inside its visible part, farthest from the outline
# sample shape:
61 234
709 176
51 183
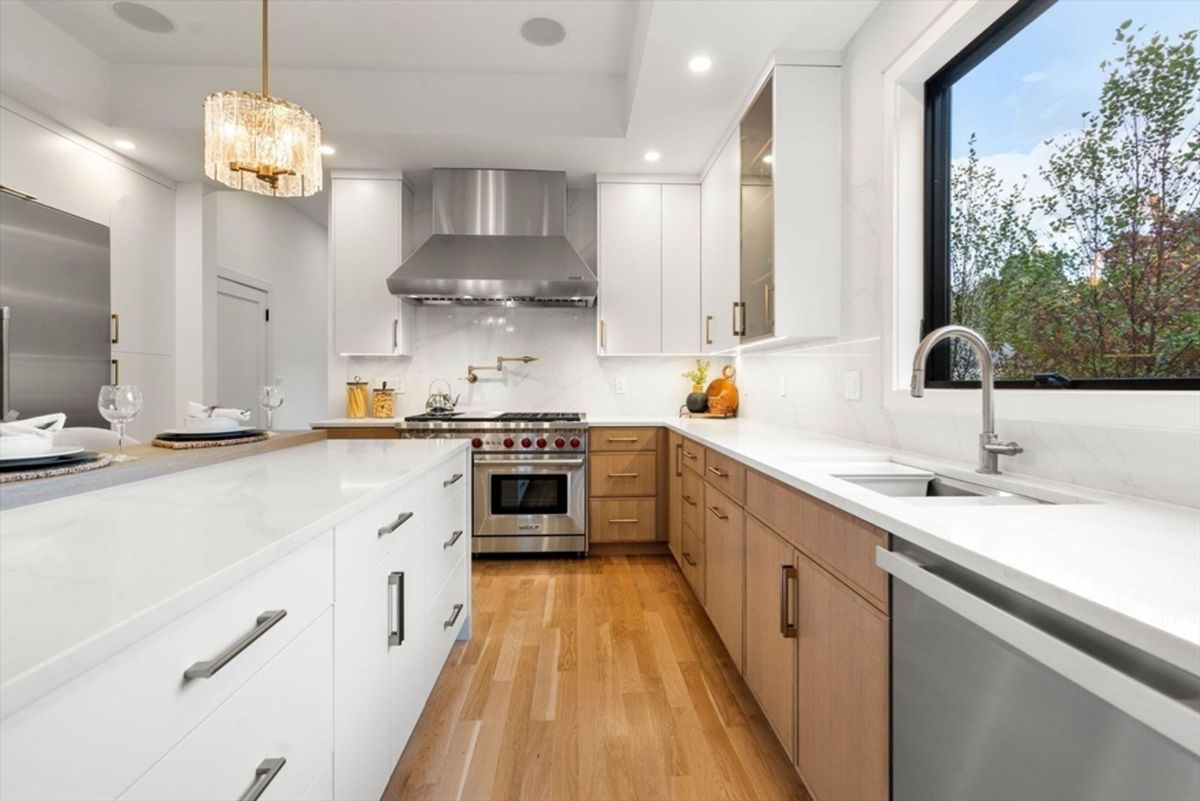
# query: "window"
1062 197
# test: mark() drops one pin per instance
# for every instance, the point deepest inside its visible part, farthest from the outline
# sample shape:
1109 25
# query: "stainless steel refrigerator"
54 286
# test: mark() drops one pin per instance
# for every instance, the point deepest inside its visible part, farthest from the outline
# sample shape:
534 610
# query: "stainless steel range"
530 477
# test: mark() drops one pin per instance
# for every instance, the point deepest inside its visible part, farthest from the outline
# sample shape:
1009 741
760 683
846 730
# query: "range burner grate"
540 417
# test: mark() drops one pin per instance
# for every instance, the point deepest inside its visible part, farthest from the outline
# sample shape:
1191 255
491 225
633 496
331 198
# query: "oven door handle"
530 462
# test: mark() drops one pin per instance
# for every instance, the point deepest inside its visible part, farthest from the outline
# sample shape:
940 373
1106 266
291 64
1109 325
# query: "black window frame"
936 310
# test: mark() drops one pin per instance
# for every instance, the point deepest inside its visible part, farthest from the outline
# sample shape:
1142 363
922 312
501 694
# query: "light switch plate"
620 386
852 385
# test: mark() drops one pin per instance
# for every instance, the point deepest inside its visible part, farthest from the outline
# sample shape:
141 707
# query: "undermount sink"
924 487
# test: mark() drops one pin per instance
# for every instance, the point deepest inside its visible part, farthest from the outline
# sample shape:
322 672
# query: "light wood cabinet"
693 561
842 697
692 497
771 628
693 456
622 475
724 568
622 439
623 520
726 474
628 480
675 494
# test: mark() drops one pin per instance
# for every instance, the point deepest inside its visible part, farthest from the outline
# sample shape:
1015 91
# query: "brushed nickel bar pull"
689 455
734 318
786 628
718 473
622 475
116 371
454 616
396 624
8 190
718 513
454 538
603 335
395 334
689 500
708 329
687 557
768 312
622 519
400 520
454 478
264 774
209 667
678 463
622 439
116 321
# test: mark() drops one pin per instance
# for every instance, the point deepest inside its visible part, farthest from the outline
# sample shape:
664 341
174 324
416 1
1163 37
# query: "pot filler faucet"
990 446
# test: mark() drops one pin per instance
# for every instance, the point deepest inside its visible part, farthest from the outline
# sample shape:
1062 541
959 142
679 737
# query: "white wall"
1140 444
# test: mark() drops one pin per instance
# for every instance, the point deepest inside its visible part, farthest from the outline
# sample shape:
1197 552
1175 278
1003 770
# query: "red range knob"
560 442
575 443
508 442
526 442
477 443
541 443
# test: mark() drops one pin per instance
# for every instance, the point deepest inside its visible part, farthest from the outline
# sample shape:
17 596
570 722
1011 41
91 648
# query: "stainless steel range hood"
499 236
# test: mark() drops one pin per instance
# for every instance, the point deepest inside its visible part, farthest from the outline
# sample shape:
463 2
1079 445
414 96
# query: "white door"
242 352
720 247
682 327
630 268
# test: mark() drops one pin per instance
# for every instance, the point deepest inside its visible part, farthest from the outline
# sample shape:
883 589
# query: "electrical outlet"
782 385
852 385
620 386
399 387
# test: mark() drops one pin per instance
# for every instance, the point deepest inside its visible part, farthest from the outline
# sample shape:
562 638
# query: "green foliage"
698 374
1117 291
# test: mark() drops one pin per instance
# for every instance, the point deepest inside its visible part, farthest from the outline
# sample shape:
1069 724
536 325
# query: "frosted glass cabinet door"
630 268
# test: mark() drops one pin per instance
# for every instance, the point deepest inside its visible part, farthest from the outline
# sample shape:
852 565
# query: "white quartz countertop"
83 577
1126 566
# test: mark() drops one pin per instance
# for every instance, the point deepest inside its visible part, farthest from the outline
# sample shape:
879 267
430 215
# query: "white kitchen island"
179 637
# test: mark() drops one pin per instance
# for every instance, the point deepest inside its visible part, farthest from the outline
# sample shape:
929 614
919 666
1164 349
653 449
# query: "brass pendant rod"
264 42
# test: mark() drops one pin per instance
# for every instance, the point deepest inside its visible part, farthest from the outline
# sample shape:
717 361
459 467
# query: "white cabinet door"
155 376
282 712
406 659
366 231
57 171
720 247
681 321
362 756
142 254
630 268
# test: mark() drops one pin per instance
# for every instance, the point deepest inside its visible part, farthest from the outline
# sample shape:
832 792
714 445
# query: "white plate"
210 425
221 431
61 450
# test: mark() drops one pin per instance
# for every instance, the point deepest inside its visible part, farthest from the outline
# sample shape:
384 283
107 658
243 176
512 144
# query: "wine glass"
118 404
270 398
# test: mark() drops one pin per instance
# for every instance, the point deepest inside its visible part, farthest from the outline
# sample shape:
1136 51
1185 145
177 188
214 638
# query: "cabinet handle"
622 475
396 611
400 520
116 333
264 774
689 500
687 557
622 439
689 455
395 334
603 335
8 190
786 574
116 371
622 519
453 539
678 462
718 514
454 478
453 616
209 668
768 312
708 329
718 473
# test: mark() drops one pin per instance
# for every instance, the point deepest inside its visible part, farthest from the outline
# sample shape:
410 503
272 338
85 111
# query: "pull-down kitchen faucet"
990 446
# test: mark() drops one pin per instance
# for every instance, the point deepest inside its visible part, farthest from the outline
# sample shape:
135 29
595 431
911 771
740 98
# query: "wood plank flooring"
598 678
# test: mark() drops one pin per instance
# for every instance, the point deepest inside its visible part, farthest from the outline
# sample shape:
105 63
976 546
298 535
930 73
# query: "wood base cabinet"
724 569
675 495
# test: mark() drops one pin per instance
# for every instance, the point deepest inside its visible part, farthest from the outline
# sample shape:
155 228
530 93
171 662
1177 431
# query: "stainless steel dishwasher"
997 697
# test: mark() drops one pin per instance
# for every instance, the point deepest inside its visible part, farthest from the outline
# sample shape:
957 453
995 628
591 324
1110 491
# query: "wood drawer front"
447 481
381 432
623 520
726 474
692 563
373 533
841 542
693 500
445 539
284 711
623 439
693 456
623 475
143 689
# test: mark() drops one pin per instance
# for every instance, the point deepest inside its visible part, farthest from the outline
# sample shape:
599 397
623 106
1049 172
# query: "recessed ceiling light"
700 64
652 155
125 144
144 18
328 150
768 159
543 31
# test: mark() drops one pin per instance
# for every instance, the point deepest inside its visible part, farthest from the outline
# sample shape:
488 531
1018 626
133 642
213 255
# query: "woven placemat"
103 460
207 443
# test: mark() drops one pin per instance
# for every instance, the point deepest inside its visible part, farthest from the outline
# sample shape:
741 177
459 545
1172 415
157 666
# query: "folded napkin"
45 426
200 411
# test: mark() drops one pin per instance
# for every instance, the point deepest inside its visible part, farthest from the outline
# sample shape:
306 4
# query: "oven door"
529 495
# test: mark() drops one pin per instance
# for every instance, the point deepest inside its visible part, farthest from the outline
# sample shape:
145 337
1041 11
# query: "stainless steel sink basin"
933 488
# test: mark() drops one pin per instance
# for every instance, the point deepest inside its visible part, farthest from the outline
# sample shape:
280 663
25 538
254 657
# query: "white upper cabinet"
142 244
720 248
369 223
649 268
59 172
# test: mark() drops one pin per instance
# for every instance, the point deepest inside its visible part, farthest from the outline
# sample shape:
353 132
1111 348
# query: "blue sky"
1042 79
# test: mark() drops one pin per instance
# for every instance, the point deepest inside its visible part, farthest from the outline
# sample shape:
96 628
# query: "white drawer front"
112 722
283 713
375 532
447 479
445 619
445 540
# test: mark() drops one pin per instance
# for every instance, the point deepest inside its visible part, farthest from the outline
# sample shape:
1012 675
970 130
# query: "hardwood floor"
598 678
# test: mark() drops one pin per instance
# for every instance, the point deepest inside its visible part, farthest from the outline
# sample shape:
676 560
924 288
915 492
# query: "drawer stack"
625 476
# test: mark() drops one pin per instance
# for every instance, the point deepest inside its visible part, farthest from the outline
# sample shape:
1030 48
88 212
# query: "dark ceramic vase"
697 402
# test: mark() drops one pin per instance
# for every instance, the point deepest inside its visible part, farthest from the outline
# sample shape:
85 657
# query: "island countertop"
85 576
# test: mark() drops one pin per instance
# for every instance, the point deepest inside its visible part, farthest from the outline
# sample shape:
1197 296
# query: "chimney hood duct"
498 237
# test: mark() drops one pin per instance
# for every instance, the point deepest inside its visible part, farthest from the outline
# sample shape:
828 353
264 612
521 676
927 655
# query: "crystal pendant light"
260 143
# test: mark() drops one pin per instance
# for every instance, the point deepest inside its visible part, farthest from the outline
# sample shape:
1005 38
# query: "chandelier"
260 143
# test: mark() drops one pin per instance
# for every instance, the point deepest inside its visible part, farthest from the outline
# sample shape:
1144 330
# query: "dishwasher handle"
1163 714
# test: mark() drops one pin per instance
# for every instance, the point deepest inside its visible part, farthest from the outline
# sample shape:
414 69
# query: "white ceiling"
414 84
